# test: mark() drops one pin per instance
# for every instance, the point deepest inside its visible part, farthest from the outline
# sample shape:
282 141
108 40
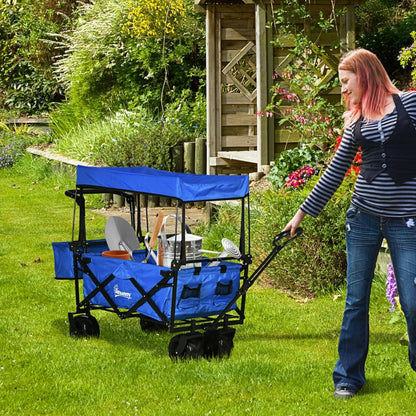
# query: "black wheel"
211 343
186 346
83 326
218 342
152 325
225 342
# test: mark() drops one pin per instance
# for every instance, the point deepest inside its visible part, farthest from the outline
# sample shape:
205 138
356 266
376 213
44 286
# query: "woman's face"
349 86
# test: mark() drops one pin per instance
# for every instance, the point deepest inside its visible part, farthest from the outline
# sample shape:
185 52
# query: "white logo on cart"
119 294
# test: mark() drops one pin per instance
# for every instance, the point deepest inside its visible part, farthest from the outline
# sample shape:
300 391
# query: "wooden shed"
241 61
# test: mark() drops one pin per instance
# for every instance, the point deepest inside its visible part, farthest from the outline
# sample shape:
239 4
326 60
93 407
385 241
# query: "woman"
382 121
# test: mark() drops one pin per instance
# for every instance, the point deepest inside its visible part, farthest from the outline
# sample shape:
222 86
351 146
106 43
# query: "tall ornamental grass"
122 139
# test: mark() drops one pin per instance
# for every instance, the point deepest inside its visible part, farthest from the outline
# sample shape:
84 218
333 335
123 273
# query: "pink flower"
299 177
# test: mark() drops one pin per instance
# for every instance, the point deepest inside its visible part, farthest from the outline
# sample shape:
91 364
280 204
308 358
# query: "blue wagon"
198 299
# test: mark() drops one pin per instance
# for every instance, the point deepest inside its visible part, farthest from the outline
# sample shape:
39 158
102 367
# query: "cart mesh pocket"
224 289
190 297
224 292
190 292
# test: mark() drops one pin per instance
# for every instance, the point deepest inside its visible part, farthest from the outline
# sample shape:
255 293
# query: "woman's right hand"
294 223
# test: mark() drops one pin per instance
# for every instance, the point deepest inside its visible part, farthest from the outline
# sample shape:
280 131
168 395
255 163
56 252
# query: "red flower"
358 157
338 142
356 163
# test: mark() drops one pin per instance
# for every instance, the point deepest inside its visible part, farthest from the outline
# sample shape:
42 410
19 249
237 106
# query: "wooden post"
262 90
177 157
269 82
200 156
118 200
153 201
107 199
347 29
189 157
213 124
164 201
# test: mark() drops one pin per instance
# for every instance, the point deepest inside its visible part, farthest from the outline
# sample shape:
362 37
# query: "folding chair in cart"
170 285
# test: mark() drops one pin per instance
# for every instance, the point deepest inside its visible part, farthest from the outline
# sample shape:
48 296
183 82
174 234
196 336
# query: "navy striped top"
382 197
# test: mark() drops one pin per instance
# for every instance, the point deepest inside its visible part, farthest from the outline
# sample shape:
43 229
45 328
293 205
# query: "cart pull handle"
286 234
254 276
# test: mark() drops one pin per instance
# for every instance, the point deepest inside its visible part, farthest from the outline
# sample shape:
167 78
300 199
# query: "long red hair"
374 82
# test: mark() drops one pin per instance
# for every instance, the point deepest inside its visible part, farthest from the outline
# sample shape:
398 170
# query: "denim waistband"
368 212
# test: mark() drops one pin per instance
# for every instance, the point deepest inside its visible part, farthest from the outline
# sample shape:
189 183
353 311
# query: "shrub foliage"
117 59
316 261
384 27
27 81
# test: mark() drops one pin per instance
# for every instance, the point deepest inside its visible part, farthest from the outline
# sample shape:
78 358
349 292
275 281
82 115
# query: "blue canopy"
183 186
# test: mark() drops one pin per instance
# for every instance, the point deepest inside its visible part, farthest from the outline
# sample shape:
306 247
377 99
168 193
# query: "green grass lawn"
281 364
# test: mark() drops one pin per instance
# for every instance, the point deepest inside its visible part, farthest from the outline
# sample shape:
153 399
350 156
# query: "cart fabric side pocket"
206 291
64 257
64 260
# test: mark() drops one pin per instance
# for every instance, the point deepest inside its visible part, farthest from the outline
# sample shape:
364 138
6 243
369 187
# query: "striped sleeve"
333 175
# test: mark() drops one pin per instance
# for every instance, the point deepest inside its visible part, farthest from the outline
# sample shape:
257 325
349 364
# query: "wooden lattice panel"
241 71
325 68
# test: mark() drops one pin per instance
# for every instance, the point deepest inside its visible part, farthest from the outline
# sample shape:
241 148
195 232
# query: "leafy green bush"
407 58
316 261
188 111
387 42
147 144
92 50
374 15
27 82
291 160
107 66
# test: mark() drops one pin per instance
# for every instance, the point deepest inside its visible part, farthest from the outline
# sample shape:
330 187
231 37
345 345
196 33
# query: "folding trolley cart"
199 299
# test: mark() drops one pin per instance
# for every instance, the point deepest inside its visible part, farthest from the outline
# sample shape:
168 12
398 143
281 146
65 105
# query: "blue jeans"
364 234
